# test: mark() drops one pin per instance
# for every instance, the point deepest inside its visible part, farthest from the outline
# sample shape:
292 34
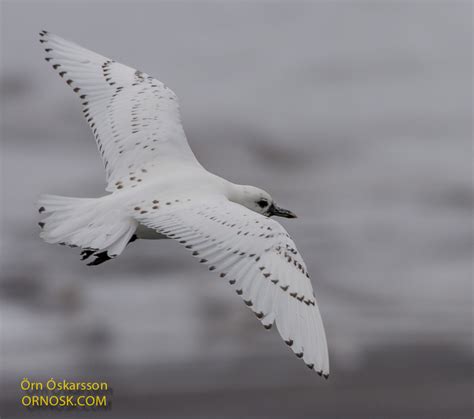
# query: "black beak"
280 212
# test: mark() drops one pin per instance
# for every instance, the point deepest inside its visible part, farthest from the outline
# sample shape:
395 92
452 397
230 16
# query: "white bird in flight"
158 189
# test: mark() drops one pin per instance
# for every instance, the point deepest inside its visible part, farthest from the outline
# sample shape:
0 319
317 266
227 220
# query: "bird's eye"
262 203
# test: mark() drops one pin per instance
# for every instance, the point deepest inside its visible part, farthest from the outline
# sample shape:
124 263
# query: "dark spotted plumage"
107 87
277 246
136 123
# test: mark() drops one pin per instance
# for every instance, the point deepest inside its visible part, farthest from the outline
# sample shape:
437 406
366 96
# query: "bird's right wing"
134 117
257 257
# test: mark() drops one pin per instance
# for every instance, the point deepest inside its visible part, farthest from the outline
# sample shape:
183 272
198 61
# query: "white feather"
158 184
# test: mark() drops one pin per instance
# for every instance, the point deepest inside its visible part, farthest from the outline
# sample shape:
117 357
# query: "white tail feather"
89 223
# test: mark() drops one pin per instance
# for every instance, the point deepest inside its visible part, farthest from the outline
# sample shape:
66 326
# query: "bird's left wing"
134 117
257 257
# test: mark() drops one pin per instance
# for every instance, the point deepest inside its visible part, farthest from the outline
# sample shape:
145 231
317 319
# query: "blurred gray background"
356 115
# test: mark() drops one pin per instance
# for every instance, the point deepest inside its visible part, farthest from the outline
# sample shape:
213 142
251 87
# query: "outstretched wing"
134 117
257 257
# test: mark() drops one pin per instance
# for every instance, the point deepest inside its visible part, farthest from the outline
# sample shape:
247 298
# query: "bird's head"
260 201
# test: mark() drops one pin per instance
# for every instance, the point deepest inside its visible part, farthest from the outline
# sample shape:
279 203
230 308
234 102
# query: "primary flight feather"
159 190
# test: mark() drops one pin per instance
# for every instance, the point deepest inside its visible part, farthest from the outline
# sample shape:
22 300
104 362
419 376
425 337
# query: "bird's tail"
89 223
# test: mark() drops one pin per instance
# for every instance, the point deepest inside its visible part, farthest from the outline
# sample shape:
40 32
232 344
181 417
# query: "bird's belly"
147 233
